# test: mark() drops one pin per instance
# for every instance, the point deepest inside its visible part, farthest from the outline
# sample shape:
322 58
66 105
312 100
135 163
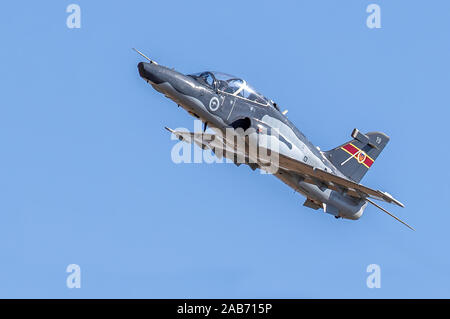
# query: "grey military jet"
328 179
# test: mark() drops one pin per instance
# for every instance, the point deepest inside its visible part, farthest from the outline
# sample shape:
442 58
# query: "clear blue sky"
86 175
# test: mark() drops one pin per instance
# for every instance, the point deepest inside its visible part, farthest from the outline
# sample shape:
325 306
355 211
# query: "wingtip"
399 203
391 199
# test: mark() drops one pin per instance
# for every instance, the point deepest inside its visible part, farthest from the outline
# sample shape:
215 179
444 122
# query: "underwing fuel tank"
335 203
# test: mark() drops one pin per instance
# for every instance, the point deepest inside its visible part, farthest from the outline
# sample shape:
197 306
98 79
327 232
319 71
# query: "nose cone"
171 83
150 72
141 68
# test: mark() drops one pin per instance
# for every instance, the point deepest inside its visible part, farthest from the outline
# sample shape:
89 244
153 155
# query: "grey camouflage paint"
220 110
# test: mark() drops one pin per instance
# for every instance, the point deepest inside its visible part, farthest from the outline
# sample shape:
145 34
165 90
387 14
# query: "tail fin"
355 157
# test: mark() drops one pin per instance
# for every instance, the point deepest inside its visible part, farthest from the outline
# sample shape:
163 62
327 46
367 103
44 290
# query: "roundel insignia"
361 157
214 103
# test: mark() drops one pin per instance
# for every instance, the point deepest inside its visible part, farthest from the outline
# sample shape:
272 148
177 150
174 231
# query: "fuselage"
225 102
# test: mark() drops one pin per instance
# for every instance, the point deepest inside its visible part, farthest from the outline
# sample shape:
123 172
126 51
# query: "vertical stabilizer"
355 157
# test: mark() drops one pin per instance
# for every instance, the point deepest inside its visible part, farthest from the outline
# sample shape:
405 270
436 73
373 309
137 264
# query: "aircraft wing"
319 177
309 174
203 140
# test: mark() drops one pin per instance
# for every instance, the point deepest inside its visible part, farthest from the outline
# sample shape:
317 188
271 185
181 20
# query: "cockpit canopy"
232 85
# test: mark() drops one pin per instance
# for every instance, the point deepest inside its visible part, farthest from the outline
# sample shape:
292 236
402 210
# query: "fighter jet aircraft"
328 179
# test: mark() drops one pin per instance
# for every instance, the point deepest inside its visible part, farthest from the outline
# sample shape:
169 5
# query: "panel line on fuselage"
243 98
